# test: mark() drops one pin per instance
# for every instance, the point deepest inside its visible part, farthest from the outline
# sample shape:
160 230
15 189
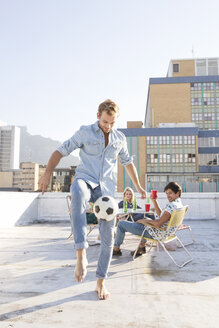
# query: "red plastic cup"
147 207
154 194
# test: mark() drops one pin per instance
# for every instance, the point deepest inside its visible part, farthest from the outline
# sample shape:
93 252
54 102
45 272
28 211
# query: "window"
161 158
164 158
176 140
189 140
177 158
212 67
201 67
148 158
175 68
191 158
208 159
211 142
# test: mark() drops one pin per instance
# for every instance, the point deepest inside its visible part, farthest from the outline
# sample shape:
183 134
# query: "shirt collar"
97 128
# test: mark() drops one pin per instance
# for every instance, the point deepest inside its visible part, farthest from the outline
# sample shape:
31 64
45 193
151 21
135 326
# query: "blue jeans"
132 227
139 216
81 194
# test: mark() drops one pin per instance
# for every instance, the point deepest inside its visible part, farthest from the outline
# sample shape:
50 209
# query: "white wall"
201 205
17 208
21 208
52 206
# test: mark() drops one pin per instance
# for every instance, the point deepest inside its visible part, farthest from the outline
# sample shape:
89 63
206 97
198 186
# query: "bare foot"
101 290
81 265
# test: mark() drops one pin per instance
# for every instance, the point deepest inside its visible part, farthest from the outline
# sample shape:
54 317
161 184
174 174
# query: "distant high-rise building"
9 147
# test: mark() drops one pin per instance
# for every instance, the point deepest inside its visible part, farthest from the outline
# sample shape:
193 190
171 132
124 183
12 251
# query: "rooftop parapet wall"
27 208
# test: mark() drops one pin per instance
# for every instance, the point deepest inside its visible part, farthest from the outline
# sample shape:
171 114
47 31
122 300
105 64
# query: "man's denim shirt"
98 163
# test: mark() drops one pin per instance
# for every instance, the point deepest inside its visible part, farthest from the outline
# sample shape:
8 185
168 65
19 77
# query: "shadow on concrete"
88 296
205 253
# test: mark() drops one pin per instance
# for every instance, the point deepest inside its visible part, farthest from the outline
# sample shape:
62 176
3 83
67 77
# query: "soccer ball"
105 208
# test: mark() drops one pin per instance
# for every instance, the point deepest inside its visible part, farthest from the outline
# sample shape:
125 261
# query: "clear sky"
60 58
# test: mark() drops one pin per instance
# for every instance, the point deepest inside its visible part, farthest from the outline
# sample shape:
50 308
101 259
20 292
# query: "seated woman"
173 192
128 194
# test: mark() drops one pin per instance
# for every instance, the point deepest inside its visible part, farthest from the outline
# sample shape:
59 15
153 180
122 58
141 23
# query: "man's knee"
121 226
79 192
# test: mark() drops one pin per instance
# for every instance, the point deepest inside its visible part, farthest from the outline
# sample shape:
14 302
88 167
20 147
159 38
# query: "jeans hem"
81 245
98 276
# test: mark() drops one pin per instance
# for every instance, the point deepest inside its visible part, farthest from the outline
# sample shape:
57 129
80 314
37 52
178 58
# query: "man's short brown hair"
175 187
109 107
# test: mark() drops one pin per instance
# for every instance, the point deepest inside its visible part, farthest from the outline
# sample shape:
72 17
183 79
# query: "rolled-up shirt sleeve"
124 157
71 144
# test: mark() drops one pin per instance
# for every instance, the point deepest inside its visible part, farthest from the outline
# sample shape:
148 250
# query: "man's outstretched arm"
132 172
45 179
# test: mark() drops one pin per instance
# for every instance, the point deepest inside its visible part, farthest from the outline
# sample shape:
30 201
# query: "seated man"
173 191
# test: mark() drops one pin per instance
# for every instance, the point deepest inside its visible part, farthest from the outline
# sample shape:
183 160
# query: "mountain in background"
35 148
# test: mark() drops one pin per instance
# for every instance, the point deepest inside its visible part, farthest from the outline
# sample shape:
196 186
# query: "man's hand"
142 192
142 221
53 162
44 182
132 172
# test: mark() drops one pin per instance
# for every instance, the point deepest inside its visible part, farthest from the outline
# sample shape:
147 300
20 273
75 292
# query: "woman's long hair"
132 192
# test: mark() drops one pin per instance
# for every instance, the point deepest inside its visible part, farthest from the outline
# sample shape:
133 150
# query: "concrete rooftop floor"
37 288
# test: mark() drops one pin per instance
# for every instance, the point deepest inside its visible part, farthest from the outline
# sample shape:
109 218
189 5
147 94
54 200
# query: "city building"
27 177
6 179
9 147
180 141
189 93
182 154
62 179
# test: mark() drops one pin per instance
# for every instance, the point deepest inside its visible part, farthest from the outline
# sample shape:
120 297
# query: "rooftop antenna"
193 51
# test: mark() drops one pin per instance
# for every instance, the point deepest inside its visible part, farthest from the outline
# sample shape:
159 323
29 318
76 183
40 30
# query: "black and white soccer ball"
105 208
